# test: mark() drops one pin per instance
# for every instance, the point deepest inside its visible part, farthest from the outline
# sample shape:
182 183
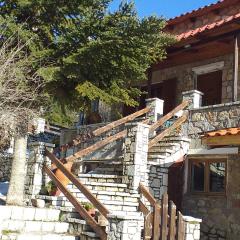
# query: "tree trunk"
15 194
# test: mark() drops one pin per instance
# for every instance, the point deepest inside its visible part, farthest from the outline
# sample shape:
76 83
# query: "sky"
166 8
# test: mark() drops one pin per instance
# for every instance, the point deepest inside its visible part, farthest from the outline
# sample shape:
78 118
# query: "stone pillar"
124 227
135 155
192 228
35 177
156 106
195 98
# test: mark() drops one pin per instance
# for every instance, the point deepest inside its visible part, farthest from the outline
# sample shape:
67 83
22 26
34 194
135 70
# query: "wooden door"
175 183
169 94
211 86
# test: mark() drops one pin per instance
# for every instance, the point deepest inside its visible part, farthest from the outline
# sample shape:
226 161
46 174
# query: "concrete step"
160 151
174 139
38 236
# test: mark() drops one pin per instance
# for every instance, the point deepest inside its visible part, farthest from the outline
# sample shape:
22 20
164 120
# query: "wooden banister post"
135 155
194 97
156 109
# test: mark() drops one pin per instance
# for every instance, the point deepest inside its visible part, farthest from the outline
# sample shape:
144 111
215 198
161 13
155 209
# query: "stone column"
195 98
124 227
192 228
156 106
35 177
135 155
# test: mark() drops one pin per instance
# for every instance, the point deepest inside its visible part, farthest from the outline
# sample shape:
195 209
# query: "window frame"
207 162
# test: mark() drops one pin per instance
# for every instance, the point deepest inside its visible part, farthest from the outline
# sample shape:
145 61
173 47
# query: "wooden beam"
222 140
167 131
120 122
86 192
81 210
236 63
147 194
96 146
162 120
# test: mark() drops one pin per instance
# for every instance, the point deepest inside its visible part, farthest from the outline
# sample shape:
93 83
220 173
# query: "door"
175 183
211 86
169 94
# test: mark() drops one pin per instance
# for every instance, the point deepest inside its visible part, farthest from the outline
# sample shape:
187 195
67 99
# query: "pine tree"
84 52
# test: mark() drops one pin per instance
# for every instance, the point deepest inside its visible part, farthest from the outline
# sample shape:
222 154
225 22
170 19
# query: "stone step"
30 213
89 236
152 157
160 151
174 139
34 226
38 236
103 178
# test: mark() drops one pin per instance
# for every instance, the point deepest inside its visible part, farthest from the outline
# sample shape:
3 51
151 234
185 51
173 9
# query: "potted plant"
51 188
90 208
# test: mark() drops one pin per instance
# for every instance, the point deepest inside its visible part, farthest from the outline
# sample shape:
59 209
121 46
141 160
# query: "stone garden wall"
220 214
5 167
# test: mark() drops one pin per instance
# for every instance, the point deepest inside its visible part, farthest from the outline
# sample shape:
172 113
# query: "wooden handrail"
99 144
165 118
96 146
81 210
96 203
110 126
121 121
147 194
167 131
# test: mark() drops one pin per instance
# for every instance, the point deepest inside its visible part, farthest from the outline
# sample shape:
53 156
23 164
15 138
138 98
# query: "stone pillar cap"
191 219
191 92
153 99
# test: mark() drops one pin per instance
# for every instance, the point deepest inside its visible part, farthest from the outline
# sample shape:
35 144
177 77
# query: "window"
208 176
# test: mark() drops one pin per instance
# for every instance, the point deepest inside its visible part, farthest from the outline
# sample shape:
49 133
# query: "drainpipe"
236 63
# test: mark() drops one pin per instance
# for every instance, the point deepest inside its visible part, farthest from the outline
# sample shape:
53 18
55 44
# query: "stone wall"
211 118
157 180
220 214
186 77
5 167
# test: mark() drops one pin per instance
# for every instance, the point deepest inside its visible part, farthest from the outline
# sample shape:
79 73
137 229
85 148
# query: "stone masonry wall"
211 118
5 167
220 214
157 180
186 77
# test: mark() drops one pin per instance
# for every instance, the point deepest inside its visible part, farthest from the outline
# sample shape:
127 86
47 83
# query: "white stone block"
32 226
29 214
61 227
17 213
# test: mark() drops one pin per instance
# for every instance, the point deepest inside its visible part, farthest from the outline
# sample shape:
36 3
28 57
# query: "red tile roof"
223 132
216 24
192 30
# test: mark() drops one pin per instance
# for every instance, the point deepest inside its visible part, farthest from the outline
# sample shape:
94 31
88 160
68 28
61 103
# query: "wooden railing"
163 222
164 119
110 126
87 193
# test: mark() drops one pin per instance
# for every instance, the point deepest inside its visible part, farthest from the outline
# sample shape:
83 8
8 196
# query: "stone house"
203 65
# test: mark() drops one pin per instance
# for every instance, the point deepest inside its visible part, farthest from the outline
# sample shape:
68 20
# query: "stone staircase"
168 150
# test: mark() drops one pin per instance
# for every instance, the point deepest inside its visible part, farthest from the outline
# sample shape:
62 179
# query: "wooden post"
236 62
164 223
156 221
172 222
